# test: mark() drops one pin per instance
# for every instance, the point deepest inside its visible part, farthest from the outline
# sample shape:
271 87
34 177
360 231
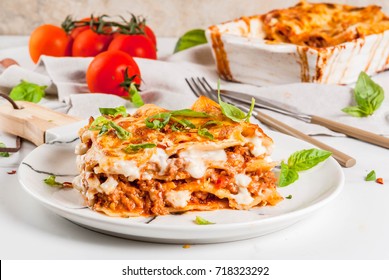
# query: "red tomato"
90 43
78 30
134 45
149 33
108 70
49 39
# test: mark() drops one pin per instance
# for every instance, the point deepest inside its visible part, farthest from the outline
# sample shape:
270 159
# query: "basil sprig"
300 161
211 123
133 148
3 154
121 110
26 91
234 113
135 96
368 96
189 113
205 133
160 120
180 125
103 125
121 133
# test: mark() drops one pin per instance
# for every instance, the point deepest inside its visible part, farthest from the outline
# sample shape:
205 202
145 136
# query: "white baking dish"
242 55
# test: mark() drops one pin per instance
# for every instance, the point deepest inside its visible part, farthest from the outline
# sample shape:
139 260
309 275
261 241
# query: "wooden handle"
31 121
352 131
343 159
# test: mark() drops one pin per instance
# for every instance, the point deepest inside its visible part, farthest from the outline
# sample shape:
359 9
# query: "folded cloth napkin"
163 83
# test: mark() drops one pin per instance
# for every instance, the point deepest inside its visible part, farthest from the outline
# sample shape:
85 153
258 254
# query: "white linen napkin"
164 84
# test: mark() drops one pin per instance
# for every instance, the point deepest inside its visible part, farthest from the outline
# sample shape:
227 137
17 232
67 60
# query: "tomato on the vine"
51 40
113 72
78 30
134 45
90 43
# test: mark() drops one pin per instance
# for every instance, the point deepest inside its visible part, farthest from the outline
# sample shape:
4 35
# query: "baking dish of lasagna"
157 162
321 43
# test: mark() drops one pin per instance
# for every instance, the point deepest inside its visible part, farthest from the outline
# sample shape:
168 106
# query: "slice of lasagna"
157 162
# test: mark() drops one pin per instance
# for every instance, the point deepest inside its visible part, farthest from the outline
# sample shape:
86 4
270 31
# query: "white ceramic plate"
313 190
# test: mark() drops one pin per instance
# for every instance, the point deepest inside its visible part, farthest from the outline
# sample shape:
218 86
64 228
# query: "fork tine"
199 90
210 89
192 88
206 91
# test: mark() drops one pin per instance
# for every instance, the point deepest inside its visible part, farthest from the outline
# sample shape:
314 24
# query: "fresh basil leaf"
368 96
121 133
184 123
187 123
189 113
371 176
104 129
98 123
28 92
211 123
289 196
158 121
121 110
137 147
177 127
251 110
367 92
3 154
202 221
230 111
306 159
354 111
135 96
52 182
205 133
190 39
287 175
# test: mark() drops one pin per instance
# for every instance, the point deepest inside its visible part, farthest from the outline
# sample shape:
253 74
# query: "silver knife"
291 111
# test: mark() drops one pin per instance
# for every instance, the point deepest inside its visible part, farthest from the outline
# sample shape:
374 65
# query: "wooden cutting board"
31 121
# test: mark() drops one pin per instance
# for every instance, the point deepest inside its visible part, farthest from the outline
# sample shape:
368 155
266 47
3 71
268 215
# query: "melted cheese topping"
197 159
81 148
126 168
242 180
257 148
109 185
243 197
161 159
322 24
178 199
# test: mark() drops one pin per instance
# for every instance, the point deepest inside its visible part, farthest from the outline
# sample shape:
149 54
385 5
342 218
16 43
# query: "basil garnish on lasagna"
174 161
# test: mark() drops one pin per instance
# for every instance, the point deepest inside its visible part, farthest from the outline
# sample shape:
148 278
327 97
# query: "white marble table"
353 226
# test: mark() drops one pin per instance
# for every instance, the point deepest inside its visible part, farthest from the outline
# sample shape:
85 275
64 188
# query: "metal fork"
201 87
293 112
